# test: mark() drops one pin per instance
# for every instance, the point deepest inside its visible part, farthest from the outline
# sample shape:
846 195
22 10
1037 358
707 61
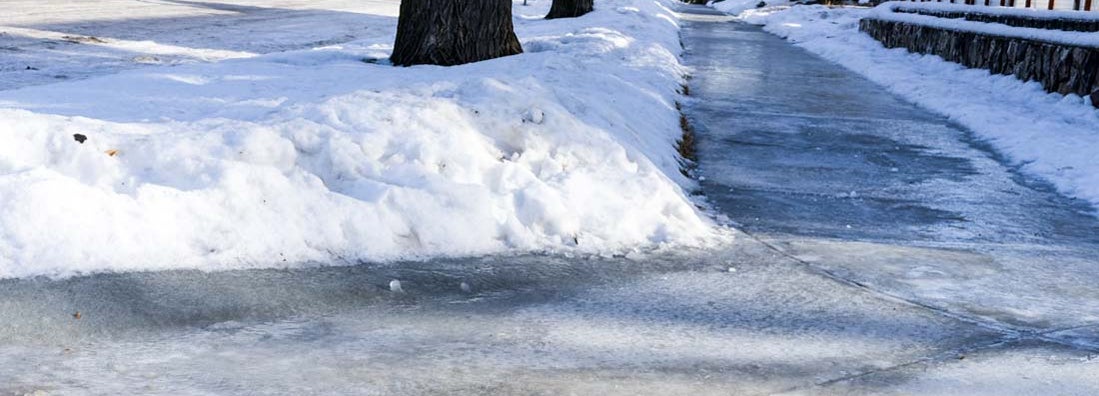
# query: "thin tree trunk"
453 32
569 8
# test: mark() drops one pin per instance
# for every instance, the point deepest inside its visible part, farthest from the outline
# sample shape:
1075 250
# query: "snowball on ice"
395 286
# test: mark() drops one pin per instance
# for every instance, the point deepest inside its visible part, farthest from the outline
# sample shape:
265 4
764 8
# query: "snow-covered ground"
1048 135
44 42
314 156
734 7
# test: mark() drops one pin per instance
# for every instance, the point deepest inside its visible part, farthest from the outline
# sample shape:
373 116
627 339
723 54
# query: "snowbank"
734 7
1048 135
316 157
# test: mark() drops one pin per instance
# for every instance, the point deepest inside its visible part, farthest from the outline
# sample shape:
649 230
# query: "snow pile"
734 7
1049 135
314 156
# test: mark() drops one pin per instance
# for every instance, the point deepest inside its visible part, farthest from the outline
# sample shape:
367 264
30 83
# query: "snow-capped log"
1063 62
1074 21
446 32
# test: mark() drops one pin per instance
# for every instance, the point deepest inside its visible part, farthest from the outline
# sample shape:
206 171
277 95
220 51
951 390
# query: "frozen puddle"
671 324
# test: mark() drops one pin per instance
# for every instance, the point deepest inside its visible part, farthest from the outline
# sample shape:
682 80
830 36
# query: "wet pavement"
743 321
883 251
846 178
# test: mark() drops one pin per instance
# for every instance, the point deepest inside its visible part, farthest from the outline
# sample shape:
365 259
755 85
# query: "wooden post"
1087 5
1076 5
1028 3
1051 5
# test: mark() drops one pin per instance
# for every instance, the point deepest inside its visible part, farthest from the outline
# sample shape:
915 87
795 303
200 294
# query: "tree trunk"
569 8
453 32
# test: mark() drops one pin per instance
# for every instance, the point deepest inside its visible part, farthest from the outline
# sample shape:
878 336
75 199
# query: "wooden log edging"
1059 68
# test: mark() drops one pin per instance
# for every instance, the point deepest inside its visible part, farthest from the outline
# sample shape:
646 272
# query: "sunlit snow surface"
44 42
325 154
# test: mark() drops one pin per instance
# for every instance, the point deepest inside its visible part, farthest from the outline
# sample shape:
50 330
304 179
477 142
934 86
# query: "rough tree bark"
453 32
569 8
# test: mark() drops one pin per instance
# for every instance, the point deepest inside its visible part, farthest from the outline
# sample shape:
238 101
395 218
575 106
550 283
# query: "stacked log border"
1058 67
1072 25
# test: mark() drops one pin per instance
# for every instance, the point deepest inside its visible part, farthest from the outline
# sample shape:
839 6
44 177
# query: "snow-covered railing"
1050 5
1006 10
1063 61
903 12
1017 17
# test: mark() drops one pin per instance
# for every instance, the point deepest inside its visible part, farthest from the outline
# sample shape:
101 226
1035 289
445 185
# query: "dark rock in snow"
80 138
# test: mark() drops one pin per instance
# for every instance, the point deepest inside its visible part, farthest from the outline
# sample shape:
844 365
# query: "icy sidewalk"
837 173
1051 136
739 321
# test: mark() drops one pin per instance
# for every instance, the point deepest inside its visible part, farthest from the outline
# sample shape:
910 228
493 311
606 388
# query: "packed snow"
1052 136
734 7
47 41
327 155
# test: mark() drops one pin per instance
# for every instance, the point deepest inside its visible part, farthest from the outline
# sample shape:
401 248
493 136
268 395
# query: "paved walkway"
842 176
